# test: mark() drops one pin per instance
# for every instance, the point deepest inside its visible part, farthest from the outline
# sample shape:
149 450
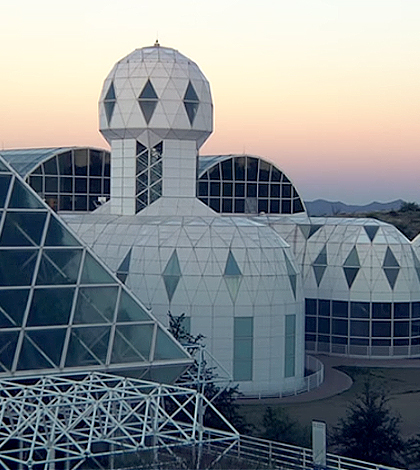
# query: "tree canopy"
370 431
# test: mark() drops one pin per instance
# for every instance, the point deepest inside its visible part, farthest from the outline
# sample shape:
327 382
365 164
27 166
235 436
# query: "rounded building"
361 279
235 279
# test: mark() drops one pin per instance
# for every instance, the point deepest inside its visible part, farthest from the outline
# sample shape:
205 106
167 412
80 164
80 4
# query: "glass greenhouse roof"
26 160
61 309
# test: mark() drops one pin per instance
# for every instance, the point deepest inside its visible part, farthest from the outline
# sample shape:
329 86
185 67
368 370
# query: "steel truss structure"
61 422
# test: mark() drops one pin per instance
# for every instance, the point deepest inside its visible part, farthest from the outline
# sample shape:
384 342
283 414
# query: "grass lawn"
402 384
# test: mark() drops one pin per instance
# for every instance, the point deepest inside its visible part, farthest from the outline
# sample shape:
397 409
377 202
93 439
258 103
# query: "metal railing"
276 455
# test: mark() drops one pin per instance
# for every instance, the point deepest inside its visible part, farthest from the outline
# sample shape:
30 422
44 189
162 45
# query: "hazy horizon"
326 89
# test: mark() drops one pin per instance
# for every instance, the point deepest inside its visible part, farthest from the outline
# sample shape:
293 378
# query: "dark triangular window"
371 231
171 275
191 102
148 100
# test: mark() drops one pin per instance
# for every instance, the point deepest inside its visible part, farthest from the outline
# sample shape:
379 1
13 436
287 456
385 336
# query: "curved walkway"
335 381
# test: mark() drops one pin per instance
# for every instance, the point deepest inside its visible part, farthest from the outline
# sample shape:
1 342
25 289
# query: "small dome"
156 93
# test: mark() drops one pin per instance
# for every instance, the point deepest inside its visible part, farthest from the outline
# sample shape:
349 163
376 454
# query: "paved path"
335 381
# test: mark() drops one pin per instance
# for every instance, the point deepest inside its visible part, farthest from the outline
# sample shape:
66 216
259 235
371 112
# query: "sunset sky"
329 90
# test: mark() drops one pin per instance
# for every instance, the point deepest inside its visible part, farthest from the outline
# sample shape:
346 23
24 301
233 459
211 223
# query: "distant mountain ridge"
321 207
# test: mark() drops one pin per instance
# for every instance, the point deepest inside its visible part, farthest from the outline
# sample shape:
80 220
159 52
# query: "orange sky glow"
326 89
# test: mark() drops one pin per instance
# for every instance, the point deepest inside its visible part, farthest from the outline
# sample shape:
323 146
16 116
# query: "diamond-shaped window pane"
109 102
191 102
171 275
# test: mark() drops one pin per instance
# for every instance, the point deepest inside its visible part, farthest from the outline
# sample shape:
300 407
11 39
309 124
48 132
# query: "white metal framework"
56 421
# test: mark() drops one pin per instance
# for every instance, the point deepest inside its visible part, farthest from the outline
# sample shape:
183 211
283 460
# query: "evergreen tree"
370 431
279 426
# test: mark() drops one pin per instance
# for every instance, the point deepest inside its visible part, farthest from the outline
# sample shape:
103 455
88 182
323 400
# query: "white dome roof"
156 93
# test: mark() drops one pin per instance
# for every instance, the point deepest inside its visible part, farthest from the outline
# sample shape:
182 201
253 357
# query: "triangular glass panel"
371 231
313 229
109 102
171 275
124 267
191 102
3 167
4 188
291 272
122 277
147 108
132 343
8 341
321 259
17 267
232 268
59 267
94 273
352 260
95 305
305 229
140 148
50 342
23 198
51 306
23 229
142 163
165 348
88 346
390 261
350 274
391 275
12 307
130 310
58 235
148 92
319 273
32 357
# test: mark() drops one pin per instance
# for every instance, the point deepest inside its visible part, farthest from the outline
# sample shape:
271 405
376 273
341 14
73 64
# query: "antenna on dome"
157 43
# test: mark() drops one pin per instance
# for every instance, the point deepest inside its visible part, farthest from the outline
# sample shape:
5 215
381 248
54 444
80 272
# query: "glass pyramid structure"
61 309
